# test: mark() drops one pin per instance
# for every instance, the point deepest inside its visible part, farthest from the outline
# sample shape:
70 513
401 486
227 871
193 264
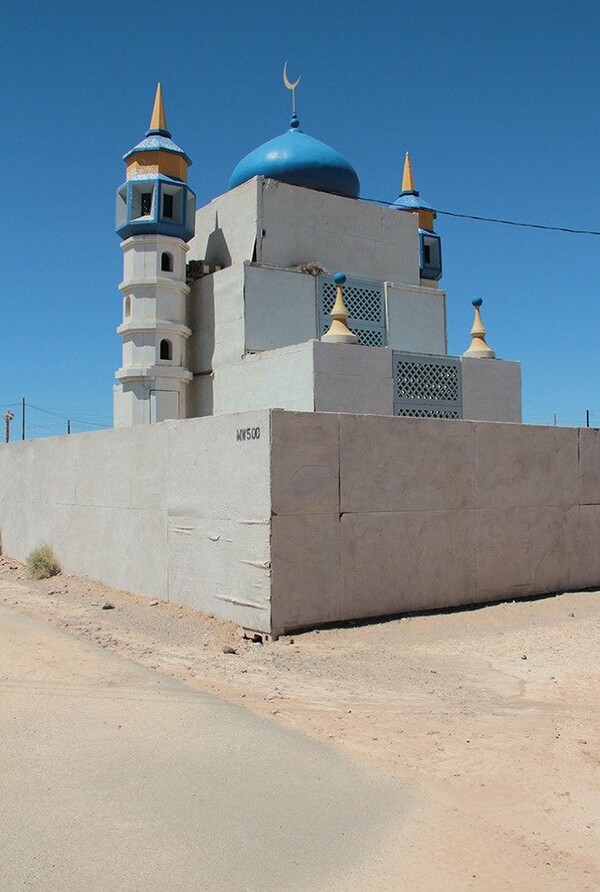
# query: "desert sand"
489 715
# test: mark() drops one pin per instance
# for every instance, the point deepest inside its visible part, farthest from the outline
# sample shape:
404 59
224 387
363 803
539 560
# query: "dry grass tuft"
42 562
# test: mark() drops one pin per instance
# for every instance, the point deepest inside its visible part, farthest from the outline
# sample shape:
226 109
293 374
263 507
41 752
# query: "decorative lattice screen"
427 386
366 309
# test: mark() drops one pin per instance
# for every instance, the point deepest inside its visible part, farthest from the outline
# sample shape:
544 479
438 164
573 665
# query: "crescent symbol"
286 80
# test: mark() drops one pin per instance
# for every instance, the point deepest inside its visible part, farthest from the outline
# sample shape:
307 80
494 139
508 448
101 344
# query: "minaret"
430 249
155 220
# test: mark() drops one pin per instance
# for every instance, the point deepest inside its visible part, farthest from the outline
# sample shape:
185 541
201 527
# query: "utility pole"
8 417
23 420
587 417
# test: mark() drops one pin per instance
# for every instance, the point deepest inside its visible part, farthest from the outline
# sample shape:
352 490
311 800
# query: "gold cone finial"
478 348
338 332
408 183
159 119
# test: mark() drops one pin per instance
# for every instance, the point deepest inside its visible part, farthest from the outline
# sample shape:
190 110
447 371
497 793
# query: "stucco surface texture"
431 514
282 225
278 520
179 510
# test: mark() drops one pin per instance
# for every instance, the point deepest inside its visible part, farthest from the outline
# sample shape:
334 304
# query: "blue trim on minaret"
181 225
410 200
430 255
157 141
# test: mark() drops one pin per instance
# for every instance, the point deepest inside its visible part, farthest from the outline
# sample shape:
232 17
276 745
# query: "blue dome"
300 160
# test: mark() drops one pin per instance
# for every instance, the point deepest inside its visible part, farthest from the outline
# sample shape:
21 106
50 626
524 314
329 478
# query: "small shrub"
42 562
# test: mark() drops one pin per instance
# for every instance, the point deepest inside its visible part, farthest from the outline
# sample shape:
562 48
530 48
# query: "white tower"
155 220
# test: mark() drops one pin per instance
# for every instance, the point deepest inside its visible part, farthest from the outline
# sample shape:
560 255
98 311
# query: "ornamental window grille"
365 302
427 386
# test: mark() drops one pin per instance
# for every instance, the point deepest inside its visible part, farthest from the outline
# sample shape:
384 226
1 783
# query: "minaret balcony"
143 326
155 205
153 373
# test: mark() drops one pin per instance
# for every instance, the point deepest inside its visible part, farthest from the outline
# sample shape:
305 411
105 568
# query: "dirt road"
114 777
489 717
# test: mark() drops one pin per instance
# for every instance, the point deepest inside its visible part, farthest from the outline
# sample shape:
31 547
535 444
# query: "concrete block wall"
178 510
278 520
247 308
307 377
491 389
324 377
280 225
416 319
428 514
97 498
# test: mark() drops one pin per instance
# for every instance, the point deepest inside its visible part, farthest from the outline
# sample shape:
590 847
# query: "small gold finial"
158 120
408 183
478 348
338 332
291 87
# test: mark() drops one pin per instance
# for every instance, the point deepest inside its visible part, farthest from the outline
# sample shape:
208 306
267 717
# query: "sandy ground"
491 716
117 778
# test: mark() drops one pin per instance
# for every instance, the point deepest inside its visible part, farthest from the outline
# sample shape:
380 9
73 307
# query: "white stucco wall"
312 376
362 239
278 520
216 314
179 510
325 377
376 516
280 307
283 226
416 319
491 389
281 378
226 229
352 378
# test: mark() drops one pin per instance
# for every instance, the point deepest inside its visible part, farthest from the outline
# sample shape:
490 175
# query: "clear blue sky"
496 102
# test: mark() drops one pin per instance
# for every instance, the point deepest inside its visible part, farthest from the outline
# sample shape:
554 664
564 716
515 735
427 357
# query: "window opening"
166 262
166 349
168 206
146 205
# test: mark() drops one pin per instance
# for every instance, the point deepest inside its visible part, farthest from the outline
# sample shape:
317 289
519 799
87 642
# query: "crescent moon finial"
291 86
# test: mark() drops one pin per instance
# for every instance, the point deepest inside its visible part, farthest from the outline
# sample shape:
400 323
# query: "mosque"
258 468
288 291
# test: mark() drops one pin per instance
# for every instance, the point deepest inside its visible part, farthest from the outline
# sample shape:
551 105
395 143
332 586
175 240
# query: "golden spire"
479 349
339 333
408 184
158 120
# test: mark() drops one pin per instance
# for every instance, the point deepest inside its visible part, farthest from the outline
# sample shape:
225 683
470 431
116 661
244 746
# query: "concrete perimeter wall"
377 515
178 510
278 520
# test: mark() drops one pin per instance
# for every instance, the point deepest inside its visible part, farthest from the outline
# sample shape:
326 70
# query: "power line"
524 225
66 417
496 220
